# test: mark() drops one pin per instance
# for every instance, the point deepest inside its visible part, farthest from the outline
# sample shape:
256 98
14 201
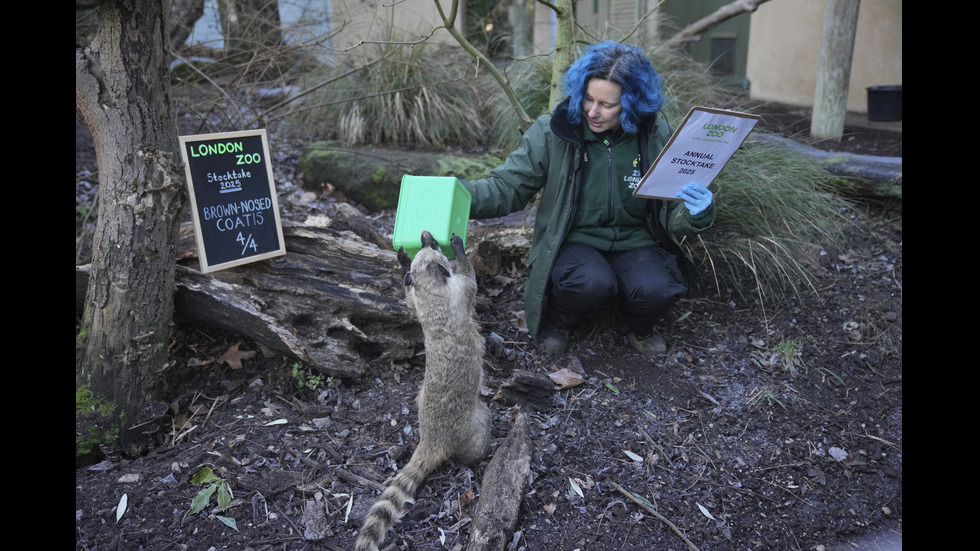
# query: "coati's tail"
395 499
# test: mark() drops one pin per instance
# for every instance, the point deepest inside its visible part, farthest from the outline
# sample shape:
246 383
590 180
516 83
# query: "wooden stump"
504 484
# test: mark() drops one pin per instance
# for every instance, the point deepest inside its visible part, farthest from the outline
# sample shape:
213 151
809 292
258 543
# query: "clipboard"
697 151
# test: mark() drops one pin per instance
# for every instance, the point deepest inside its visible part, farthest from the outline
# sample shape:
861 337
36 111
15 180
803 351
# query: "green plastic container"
437 204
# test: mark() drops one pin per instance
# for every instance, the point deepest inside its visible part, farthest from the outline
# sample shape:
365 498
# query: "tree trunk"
834 73
122 92
564 49
253 34
521 16
185 15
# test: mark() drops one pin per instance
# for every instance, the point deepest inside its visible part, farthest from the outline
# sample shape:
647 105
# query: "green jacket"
549 160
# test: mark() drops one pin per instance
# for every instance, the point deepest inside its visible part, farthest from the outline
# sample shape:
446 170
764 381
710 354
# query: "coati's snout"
429 241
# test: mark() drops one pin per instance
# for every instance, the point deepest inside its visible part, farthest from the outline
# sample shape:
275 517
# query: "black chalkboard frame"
247 173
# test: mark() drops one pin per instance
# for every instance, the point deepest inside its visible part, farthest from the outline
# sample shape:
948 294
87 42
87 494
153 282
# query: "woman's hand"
696 197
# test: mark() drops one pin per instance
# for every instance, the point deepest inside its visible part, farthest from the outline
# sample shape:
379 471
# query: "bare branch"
449 21
693 31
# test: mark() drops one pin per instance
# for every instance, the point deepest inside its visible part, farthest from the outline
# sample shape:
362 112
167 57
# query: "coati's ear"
407 279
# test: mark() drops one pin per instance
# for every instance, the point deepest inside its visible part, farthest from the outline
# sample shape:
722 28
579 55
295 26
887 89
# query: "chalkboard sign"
233 198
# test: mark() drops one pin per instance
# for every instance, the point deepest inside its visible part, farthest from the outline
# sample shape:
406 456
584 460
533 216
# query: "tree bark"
185 15
834 72
123 93
504 483
527 389
252 34
564 48
520 14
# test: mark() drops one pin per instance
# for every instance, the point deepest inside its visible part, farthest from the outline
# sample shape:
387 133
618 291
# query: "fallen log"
334 301
872 176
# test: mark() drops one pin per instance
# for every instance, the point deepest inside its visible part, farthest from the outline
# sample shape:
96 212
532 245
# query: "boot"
651 346
554 340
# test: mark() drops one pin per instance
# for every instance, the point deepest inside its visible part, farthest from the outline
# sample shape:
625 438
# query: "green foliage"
789 356
95 423
304 378
87 402
778 209
81 337
86 211
764 397
466 167
213 486
94 438
776 214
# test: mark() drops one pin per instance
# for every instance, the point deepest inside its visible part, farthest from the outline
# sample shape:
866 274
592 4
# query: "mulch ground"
733 440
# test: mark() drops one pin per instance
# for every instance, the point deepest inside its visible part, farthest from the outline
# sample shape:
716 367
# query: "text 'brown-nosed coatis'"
454 423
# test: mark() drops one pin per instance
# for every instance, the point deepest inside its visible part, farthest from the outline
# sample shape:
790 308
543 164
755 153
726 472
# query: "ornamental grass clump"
422 95
777 213
778 209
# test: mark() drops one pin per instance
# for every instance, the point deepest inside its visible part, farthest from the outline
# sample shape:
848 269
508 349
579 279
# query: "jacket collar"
563 128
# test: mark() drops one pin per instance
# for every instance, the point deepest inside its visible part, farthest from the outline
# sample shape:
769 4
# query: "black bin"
885 103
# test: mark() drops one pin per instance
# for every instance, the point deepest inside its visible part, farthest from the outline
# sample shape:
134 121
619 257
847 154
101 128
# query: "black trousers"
643 282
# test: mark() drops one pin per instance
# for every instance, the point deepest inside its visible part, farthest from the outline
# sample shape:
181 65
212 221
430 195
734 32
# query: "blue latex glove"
696 197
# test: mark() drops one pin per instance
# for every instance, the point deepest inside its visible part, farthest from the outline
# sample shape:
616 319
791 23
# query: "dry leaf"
519 322
233 357
181 422
705 511
633 456
566 378
121 508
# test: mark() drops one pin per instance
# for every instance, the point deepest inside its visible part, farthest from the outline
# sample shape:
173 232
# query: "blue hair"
625 65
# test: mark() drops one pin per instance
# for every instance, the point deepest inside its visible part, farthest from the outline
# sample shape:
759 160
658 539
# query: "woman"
594 243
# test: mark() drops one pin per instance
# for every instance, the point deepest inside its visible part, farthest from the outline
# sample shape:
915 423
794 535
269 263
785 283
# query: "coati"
453 422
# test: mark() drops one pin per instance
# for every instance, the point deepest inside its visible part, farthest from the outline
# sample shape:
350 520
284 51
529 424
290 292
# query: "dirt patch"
860 136
731 437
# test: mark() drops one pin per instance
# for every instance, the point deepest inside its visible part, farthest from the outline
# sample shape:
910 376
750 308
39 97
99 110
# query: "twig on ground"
351 478
655 445
636 499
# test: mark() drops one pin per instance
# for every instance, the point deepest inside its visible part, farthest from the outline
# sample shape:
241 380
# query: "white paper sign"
697 151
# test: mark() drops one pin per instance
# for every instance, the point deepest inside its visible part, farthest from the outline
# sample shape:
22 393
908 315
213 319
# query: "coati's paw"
457 244
403 259
406 264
